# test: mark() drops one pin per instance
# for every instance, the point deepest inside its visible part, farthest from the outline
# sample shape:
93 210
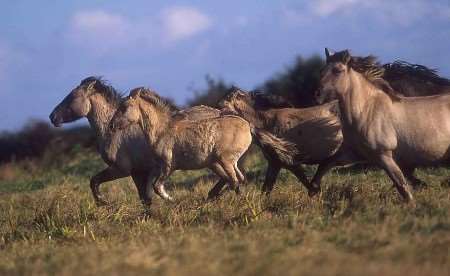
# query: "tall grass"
357 225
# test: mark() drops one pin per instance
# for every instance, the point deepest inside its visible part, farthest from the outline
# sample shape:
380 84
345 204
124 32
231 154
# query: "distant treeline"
297 83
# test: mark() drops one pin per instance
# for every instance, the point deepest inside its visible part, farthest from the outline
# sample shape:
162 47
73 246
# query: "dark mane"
155 99
401 69
370 68
259 100
263 101
102 86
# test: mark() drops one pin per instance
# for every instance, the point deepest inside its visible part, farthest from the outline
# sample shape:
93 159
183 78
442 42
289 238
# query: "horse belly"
194 152
422 150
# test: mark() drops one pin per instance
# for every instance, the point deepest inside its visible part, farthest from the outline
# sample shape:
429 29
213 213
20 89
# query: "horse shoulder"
379 126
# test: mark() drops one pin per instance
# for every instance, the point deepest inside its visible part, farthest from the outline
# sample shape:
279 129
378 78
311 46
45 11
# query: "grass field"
49 224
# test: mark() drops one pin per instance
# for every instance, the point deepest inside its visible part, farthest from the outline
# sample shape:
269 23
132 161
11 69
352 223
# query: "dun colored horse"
216 143
396 133
316 131
126 151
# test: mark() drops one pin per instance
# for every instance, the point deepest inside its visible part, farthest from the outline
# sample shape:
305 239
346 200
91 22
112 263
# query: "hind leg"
229 169
239 174
299 172
215 191
273 169
415 182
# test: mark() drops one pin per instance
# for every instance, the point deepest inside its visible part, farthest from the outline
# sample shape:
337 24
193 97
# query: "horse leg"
215 191
233 179
141 179
105 175
341 158
395 173
299 172
158 183
273 169
415 182
239 174
324 168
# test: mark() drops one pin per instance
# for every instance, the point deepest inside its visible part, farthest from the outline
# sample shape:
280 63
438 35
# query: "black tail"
274 147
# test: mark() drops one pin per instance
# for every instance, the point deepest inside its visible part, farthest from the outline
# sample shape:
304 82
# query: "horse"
394 132
125 152
316 131
216 143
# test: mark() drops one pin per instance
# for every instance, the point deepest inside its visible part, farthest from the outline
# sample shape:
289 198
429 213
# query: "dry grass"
356 226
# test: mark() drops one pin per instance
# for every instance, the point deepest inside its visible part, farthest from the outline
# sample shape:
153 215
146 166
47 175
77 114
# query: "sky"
47 47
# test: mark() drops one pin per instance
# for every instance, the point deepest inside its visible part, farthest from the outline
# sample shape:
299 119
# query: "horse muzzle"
56 121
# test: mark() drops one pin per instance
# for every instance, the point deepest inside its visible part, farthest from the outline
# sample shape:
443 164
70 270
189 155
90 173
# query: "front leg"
105 175
158 184
141 179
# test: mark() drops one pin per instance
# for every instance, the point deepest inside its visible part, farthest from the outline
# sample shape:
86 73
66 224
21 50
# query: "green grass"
49 224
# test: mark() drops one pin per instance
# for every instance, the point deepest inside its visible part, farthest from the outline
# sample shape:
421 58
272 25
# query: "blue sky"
47 47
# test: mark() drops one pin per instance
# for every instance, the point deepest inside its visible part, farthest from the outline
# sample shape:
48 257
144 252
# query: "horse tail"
277 148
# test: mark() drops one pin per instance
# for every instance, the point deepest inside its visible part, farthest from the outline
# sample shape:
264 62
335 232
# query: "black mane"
400 70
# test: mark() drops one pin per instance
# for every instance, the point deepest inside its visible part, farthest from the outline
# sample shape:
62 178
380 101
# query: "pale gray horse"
396 133
126 151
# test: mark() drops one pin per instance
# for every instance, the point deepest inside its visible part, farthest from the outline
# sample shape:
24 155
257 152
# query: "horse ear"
91 86
328 53
346 57
136 92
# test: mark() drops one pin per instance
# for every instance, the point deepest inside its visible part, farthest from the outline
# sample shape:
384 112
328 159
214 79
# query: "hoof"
313 191
101 202
411 204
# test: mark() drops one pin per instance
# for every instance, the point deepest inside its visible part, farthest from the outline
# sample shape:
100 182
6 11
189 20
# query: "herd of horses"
394 116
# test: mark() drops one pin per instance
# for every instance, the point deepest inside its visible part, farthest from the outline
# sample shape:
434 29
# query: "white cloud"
328 7
399 12
99 31
103 32
183 22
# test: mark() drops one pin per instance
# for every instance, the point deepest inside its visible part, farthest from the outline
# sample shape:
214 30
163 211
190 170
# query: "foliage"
214 92
298 82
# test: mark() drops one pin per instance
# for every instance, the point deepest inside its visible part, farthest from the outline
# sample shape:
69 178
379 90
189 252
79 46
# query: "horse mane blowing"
102 86
370 68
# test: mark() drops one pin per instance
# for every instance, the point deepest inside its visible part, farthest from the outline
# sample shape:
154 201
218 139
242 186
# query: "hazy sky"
47 47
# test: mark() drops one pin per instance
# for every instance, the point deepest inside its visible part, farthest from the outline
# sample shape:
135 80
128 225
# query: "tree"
214 92
298 83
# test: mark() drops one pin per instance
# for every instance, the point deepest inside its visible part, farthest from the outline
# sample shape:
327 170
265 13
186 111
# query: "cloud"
399 12
328 7
183 22
103 32
99 31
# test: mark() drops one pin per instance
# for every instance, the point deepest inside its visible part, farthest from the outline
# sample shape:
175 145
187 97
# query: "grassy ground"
50 225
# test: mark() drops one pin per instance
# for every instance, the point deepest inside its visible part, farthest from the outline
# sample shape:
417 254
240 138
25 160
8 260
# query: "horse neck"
256 118
154 126
100 115
355 102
